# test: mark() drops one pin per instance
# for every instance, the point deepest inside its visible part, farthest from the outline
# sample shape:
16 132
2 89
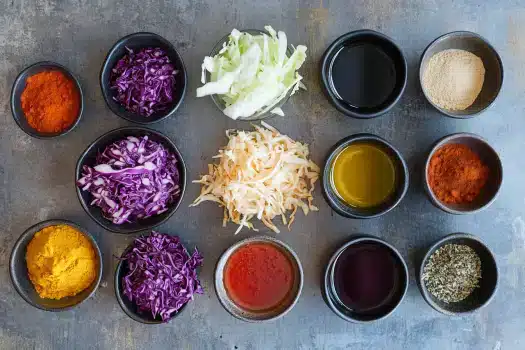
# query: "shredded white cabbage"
252 73
260 174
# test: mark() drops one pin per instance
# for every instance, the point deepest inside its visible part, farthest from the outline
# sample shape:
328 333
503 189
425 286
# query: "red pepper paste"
258 277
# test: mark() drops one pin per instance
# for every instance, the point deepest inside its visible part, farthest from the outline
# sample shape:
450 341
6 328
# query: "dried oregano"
452 272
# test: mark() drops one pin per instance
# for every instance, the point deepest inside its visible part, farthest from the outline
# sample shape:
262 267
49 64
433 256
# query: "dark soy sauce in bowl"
363 75
366 276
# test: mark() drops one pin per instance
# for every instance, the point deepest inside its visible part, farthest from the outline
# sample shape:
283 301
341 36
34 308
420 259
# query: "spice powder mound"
456 174
452 272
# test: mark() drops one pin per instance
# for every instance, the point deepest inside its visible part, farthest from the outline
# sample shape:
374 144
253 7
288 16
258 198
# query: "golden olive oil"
363 175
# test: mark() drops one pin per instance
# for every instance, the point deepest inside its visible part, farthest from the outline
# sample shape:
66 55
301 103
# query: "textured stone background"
36 177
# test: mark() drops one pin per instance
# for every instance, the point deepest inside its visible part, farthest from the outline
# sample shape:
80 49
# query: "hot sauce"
258 276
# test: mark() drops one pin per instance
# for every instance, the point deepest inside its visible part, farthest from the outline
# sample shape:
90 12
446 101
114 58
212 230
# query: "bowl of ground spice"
55 265
463 174
46 100
461 74
458 274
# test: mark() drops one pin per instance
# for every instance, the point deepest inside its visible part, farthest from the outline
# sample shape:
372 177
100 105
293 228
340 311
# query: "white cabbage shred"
260 174
253 73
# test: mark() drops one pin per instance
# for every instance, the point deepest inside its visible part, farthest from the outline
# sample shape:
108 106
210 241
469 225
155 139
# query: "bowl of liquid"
365 280
364 73
364 177
259 279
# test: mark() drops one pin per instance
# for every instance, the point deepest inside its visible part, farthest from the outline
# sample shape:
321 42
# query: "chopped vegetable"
134 178
144 81
162 276
253 73
261 174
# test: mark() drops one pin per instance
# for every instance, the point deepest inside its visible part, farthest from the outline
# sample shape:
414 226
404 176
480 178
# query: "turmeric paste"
50 101
61 262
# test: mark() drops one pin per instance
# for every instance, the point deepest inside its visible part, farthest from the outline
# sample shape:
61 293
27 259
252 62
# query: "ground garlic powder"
453 79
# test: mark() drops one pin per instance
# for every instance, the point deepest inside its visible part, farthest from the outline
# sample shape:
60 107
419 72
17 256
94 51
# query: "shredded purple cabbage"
162 276
144 81
134 178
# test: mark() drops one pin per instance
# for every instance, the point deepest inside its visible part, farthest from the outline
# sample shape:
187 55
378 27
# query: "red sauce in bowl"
258 276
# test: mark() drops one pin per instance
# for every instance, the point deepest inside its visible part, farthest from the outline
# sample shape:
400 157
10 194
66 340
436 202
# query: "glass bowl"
217 98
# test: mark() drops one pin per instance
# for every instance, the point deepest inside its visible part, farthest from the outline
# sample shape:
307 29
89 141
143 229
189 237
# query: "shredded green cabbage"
252 73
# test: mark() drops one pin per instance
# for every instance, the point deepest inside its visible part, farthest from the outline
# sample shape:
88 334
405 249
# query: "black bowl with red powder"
365 280
458 180
259 279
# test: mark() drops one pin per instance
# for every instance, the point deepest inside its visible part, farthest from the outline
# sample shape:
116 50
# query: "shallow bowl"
263 316
19 86
136 42
388 47
488 282
342 208
129 307
88 157
488 155
375 314
479 46
24 286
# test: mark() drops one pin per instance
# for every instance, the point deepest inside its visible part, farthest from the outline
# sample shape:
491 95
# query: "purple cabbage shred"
162 276
144 81
134 178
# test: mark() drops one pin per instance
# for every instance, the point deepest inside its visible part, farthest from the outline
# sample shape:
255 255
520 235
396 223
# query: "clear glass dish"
217 98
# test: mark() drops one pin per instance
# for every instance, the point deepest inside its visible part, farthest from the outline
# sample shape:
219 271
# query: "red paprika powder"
50 101
456 174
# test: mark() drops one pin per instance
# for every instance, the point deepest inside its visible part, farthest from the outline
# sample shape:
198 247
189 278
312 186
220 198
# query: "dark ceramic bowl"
128 306
387 46
480 47
24 286
488 156
376 313
136 42
402 179
268 315
488 282
217 98
19 86
88 157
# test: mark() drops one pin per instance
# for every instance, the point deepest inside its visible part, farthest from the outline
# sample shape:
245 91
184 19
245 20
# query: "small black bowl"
19 86
382 46
476 44
128 306
135 42
488 155
344 209
88 157
488 282
384 309
24 286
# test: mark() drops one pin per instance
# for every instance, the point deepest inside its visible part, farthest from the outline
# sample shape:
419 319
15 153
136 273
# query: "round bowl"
480 47
338 205
263 316
488 282
487 155
19 86
88 157
377 313
217 99
24 286
135 42
381 42
128 306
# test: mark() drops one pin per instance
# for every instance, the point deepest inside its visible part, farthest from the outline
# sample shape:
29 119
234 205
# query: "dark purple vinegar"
365 276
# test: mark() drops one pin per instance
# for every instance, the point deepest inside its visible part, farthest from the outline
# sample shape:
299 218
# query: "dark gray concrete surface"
36 176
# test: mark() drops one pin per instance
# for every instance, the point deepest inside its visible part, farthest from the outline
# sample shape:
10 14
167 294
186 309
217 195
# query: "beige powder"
453 79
